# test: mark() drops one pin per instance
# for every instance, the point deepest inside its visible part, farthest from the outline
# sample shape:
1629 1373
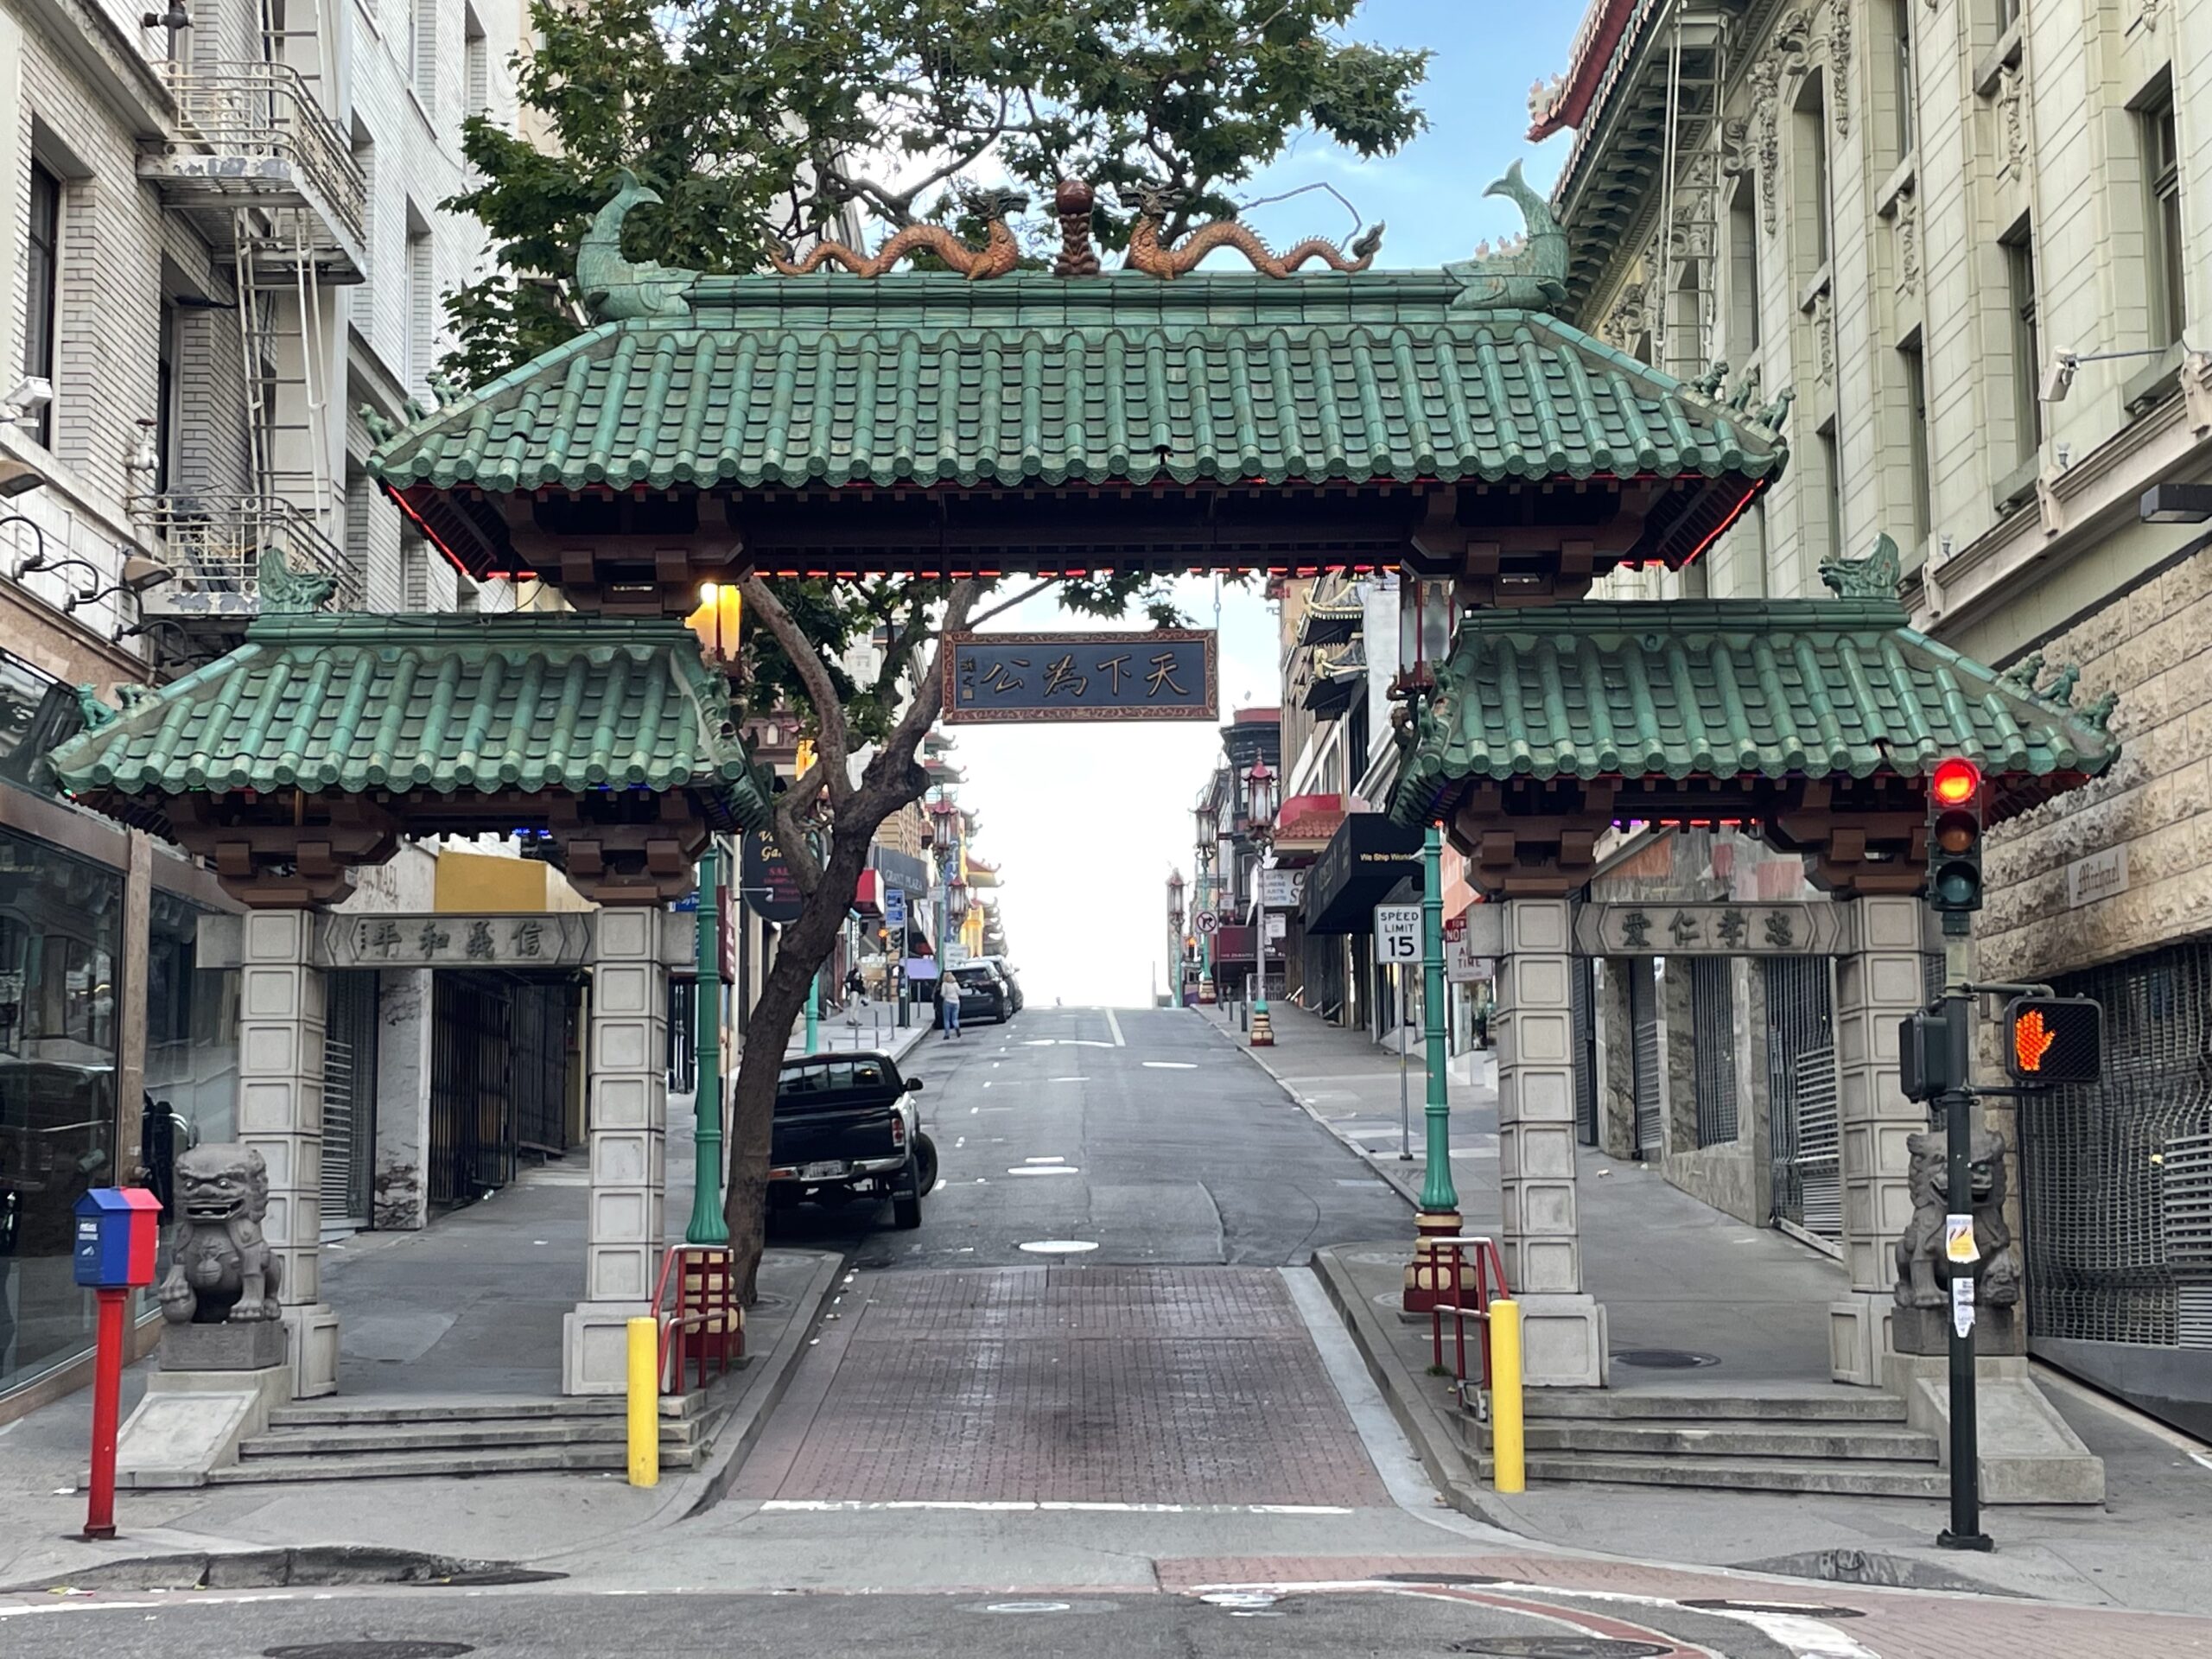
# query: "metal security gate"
2116 1193
1583 996
472 1124
683 1036
1645 1086
1712 1023
1807 1143
540 1021
349 1099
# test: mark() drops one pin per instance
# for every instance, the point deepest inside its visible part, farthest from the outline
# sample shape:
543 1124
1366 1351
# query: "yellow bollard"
644 1402
1509 1473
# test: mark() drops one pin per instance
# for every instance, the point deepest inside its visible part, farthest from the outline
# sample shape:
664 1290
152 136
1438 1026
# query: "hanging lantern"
722 608
1427 609
1260 785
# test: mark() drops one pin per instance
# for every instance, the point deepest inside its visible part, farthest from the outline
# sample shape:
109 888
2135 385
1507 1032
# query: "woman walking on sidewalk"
948 1002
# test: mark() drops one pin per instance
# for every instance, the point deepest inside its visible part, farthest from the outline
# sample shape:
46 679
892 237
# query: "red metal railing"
1449 1256
707 1321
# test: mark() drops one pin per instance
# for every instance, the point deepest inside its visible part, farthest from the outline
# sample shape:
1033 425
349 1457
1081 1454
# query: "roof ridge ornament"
613 289
1147 254
1000 253
1874 576
1534 277
288 591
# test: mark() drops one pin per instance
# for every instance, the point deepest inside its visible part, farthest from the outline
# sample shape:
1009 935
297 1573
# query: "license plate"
834 1169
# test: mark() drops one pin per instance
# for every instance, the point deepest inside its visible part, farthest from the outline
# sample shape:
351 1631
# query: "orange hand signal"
2031 1039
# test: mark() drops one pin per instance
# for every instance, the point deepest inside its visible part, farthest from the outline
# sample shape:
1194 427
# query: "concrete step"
357 1438
437 1464
1856 1406
335 1413
1719 1439
1867 1478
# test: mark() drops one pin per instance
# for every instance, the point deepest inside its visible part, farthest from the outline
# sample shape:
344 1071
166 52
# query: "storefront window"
60 920
192 1025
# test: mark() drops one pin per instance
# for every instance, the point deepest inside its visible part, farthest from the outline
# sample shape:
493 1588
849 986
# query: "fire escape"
262 170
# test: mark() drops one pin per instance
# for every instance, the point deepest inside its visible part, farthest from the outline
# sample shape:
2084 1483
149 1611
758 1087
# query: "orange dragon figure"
1146 253
999 254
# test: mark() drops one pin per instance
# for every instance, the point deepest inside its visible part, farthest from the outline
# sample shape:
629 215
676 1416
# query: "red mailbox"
118 1230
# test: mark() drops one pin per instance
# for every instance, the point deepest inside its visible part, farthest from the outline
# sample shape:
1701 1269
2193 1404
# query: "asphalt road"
1136 1131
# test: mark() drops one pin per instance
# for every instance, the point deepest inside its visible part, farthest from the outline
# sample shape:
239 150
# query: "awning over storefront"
1233 944
1304 826
1367 857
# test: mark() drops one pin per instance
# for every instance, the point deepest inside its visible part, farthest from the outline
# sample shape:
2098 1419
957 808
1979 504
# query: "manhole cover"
371 1650
1663 1359
1788 1609
1557 1647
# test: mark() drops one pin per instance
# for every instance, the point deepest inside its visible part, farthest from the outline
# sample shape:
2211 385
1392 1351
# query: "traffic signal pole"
1958 1104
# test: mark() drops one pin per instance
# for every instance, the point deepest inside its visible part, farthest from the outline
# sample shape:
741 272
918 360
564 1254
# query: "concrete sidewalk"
1673 1273
468 1309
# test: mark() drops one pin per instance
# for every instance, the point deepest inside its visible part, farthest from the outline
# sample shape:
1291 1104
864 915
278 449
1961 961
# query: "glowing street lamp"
1260 784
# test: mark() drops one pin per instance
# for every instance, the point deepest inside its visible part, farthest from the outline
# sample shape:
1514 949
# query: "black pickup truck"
847 1128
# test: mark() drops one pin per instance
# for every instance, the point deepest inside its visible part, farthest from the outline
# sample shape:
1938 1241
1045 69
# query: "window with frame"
1832 503
2162 178
2007 12
1914 368
42 292
1743 274
1812 134
2027 346
422 49
1907 128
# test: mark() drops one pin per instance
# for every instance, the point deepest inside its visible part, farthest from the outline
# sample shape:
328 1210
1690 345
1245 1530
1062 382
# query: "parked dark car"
847 1128
983 995
1004 970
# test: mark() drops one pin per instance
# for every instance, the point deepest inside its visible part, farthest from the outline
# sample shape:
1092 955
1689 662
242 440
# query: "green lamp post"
707 1226
1260 785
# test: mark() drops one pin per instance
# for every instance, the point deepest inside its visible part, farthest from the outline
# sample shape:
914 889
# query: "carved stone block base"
234 1345
1997 1331
595 1347
1562 1342
2028 1454
311 1335
1859 1338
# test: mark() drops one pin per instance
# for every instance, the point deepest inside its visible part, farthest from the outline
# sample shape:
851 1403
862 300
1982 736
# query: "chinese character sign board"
1709 929
1161 674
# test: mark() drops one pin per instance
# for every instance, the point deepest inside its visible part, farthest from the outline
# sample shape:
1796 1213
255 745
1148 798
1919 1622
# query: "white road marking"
1045 1169
1032 1505
1056 1246
1067 1079
1170 1065
1114 1026
1044 1160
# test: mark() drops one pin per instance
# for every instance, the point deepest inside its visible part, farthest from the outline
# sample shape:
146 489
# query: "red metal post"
107 1407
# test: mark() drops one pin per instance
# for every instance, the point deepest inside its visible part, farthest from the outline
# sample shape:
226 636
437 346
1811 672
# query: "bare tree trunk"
800 952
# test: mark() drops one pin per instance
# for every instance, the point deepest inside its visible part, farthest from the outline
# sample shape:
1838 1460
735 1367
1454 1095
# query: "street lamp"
1260 784
1175 938
1426 607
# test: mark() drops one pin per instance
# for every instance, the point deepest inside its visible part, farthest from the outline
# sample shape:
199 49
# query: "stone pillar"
401 1200
1879 982
627 1095
1563 1329
280 1117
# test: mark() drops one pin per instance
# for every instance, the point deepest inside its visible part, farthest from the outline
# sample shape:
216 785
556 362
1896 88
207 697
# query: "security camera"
2058 381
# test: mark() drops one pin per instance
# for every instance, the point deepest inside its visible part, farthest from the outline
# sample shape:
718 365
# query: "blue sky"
1086 823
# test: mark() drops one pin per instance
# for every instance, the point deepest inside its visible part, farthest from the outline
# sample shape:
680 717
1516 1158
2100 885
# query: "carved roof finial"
1072 202
1874 576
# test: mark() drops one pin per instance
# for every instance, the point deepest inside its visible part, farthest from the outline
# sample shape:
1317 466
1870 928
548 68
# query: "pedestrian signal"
2054 1039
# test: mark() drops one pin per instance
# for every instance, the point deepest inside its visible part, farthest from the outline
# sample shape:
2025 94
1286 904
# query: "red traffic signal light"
1957 780
2054 1039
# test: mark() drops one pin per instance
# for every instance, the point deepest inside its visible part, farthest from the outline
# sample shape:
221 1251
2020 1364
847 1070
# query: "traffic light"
2054 1039
1932 1053
1954 842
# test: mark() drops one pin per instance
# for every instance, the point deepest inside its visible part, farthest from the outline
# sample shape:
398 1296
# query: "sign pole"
1957 1103
107 1403
1405 1050
707 1225
1432 1280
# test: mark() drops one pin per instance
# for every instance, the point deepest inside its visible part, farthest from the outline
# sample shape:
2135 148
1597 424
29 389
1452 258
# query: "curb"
1403 1185
705 1487
1437 1448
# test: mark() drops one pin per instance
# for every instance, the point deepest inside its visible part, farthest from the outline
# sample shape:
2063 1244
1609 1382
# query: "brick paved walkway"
1093 1385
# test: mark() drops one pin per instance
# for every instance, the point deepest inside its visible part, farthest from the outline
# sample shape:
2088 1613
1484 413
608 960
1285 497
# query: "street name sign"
1397 934
1156 674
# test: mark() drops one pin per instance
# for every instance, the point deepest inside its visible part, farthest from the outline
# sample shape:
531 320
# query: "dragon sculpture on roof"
1000 253
1147 254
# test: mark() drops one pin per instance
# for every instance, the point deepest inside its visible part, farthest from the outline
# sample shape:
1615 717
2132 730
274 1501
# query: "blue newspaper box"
118 1230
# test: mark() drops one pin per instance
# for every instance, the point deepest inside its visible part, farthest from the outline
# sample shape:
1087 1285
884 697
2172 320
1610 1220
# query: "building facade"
1969 238
226 262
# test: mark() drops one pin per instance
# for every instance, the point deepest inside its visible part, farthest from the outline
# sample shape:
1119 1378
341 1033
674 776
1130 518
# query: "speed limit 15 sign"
1397 934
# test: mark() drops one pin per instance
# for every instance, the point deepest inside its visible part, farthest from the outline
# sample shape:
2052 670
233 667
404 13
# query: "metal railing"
706 1322
267 111
215 542
1448 1256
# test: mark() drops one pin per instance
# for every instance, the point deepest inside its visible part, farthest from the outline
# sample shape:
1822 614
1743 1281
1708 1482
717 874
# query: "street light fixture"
1261 784
2176 503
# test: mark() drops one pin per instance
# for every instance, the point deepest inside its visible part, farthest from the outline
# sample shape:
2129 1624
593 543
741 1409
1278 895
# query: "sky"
1086 823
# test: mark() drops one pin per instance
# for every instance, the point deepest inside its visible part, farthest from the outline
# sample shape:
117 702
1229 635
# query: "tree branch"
1021 598
832 748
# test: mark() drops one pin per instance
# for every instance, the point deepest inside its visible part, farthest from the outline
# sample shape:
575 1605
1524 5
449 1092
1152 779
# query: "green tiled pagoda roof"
771 382
350 703
1838 688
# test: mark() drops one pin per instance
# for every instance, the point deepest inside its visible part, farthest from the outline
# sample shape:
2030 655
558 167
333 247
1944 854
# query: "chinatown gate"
1151 418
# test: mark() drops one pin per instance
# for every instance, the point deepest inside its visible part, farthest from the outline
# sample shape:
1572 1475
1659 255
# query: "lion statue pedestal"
218 1300
1922 1324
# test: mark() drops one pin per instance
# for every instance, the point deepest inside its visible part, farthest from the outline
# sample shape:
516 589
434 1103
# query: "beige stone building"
1973 239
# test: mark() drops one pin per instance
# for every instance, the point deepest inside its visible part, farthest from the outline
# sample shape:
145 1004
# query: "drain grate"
1663 1359
1435 1577
372 1650
1558 1647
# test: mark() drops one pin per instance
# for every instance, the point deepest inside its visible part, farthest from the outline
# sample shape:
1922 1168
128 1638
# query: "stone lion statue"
1922 1271
221 1268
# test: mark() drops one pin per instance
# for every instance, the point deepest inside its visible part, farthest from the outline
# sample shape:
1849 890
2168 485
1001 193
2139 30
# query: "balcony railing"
216 542
256 126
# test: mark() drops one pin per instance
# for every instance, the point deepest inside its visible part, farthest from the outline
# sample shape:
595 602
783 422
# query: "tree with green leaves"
763 123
